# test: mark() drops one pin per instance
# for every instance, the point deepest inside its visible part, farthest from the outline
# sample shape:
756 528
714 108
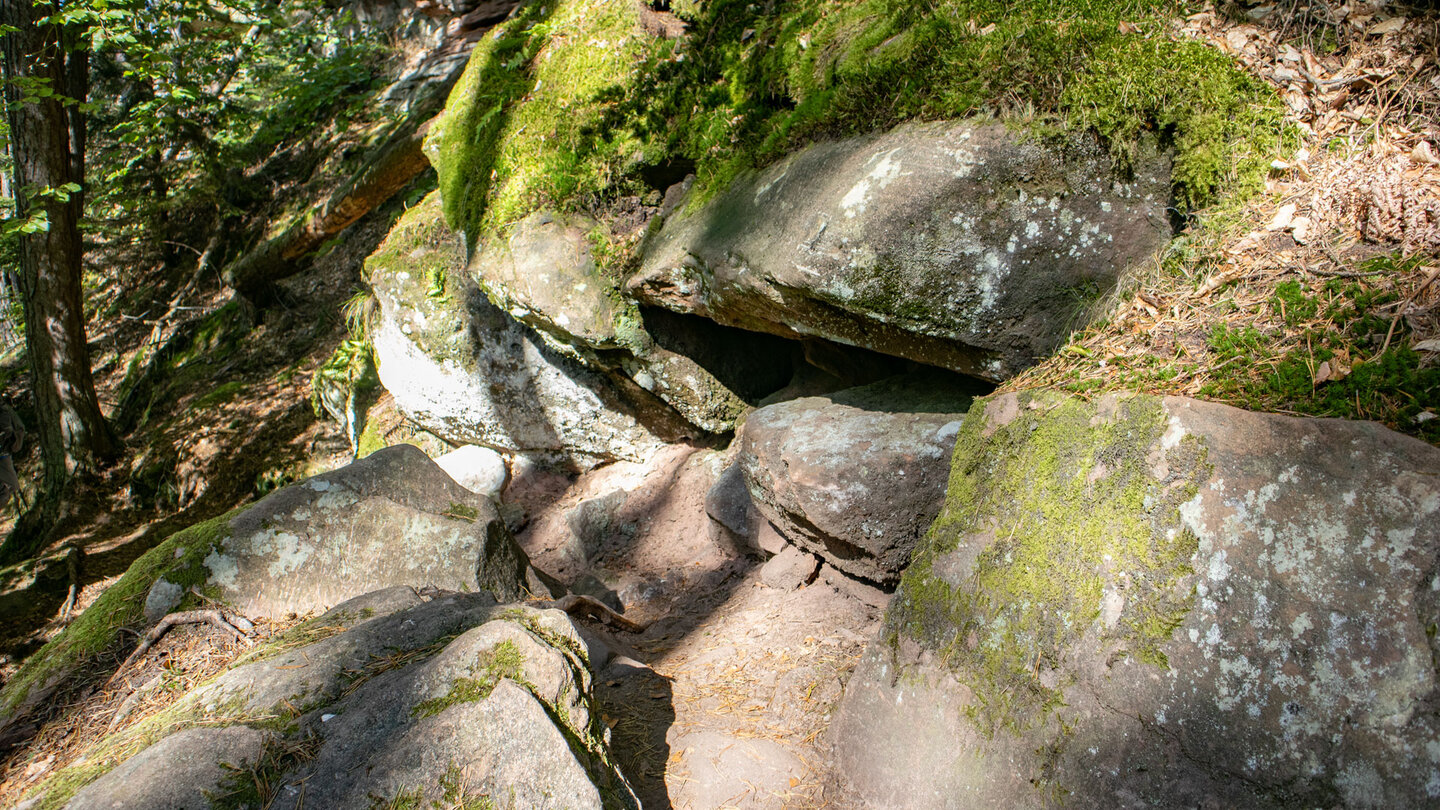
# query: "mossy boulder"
1160 602
963 245
468 372
388 698
391 518
545 275
97 630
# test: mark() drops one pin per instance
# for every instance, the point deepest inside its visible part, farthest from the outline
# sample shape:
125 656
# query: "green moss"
219 395
180 559
1292 303
1351 320
420 250
218 334
522 125
350 370
104 756
460 511
414 245
545 118
501 662
371 439
453 796
1063 502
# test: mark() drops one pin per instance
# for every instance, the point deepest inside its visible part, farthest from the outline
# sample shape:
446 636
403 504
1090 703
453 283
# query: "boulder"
856 476
391 518
464 370
790 569
544 274
958 244
476 718
181 772
386 700
478 469
728 502
1143 602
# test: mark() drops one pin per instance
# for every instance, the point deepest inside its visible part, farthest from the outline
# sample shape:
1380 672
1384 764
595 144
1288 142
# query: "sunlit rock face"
392 518
465 370
1169 603
962 245
396 700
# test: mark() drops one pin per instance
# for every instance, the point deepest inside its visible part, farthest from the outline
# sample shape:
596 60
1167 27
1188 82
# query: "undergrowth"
1311 345
1342 358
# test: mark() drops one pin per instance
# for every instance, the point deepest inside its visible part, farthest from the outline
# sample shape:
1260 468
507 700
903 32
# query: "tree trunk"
47 141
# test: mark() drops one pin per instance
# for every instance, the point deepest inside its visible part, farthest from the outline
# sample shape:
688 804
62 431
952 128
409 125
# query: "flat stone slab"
956 244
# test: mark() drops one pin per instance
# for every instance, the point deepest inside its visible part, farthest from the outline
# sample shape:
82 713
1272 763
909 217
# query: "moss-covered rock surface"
467 371
1164 601
576 100
456 699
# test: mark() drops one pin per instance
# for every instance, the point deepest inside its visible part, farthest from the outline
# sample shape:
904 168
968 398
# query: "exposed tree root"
213 617
577 604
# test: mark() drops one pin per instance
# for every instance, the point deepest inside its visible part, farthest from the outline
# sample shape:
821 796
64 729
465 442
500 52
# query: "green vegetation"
180 559
1349 357
105 755
349 373
503 661
453 796
1065 497
257 785
222 393
573 102
460 511
301 635
1311 344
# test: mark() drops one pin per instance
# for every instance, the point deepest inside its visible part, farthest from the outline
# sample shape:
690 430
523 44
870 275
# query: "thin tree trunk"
47 140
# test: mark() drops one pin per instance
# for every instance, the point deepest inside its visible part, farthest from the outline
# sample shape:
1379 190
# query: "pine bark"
48 144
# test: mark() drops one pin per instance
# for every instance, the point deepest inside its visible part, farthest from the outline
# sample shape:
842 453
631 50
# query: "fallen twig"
578 604
1400 312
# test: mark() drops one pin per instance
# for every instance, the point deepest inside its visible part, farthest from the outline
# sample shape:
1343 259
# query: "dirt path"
721 702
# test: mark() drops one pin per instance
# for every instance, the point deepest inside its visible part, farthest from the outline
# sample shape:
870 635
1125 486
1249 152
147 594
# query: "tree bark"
47 141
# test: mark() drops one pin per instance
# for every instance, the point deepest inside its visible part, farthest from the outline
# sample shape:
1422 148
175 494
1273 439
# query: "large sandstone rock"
180 772
468 372
954 244
544 274
1160 603
392 518
855 476
400 701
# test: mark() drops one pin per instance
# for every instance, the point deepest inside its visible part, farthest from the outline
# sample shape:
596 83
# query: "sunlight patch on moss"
1064 513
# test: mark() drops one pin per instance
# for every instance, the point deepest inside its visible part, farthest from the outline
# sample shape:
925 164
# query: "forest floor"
229 420
1317 296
